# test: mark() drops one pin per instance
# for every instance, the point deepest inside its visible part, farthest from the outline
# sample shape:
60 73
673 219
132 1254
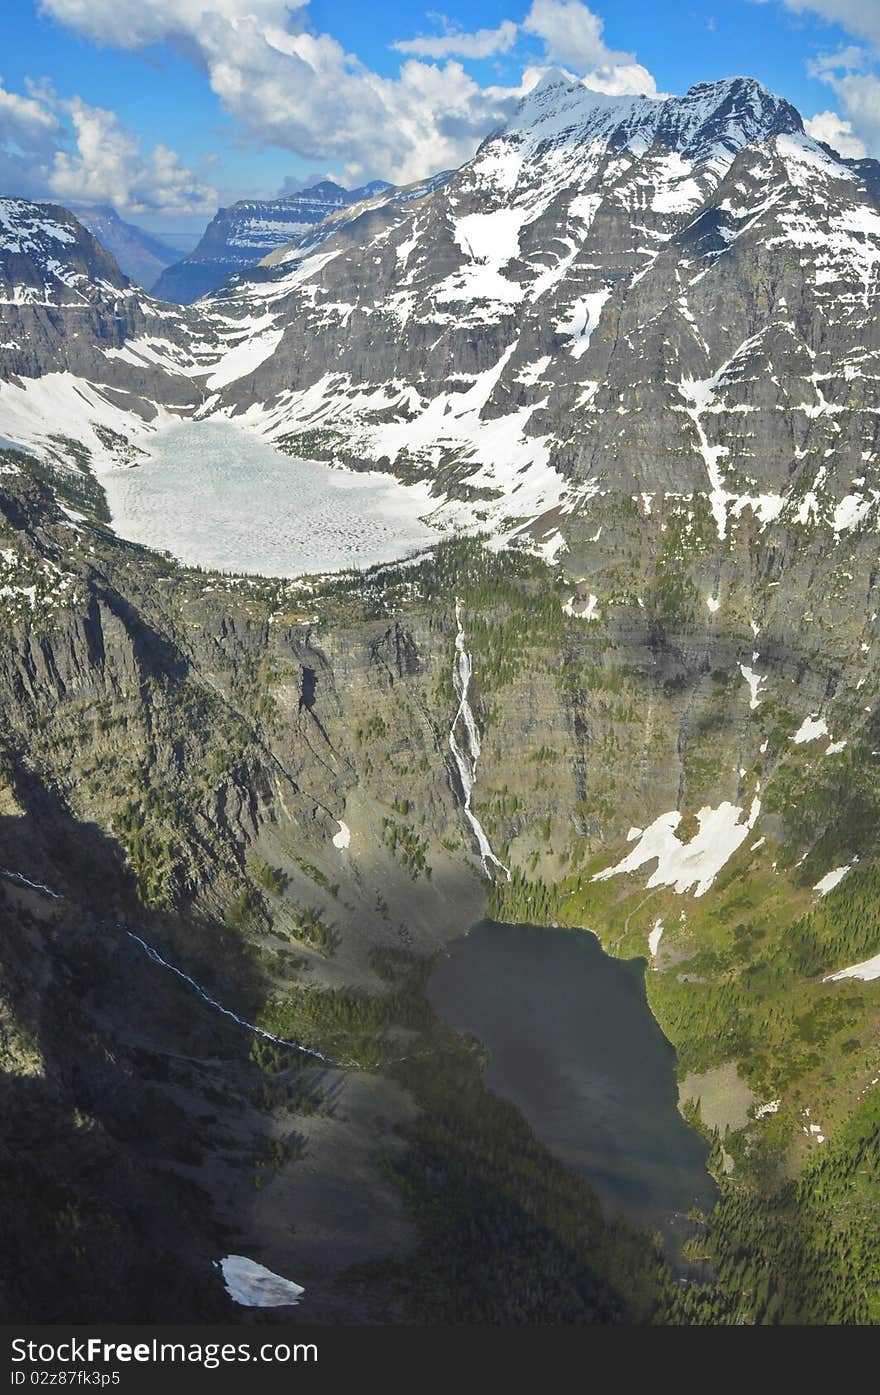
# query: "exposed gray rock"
240 236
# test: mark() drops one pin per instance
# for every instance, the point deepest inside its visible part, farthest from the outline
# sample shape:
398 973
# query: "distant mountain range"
140 254
241 236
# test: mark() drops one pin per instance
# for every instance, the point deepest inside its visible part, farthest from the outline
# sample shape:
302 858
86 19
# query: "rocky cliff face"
139 254
70 382
241 236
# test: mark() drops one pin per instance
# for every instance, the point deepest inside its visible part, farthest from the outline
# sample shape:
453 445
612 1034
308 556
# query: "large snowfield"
216 496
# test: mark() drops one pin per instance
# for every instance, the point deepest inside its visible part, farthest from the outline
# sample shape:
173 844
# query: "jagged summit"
46 254
732 113
711 118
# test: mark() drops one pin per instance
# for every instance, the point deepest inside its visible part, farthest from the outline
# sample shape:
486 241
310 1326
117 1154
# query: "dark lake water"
572 1043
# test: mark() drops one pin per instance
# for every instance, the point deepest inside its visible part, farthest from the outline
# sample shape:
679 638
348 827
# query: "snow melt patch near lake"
654 938
254 1286
685 865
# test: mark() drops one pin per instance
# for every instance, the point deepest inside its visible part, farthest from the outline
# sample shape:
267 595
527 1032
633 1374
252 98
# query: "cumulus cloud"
26 123
297 89
572 36
859 96
621 80
829 126
135 23
851 74
29 132
67 150
107 166
852 59
852 71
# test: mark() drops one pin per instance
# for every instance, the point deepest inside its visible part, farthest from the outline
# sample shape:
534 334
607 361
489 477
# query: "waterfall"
466 760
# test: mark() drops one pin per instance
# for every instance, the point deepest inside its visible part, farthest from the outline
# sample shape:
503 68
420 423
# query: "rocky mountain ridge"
239 237
601 302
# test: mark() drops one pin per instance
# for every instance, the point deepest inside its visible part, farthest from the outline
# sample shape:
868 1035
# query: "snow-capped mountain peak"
47 256
710 119
664 297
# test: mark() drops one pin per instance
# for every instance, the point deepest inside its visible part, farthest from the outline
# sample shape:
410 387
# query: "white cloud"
76 153
29 132
859 17
107 167
859 96
300 90
852 59
856 84
850 72
482 44
622 79
26 123
135 23
829 127
572 36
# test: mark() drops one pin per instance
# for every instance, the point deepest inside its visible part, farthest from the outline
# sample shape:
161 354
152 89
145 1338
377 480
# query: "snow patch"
771 1107
810 729
252 1285
244 358
867 971
654 938
582 609
754 681
832 879
582 319
693 864
342 839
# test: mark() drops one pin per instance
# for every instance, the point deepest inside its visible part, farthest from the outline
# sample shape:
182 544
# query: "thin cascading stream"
19 879
466 753
227 1012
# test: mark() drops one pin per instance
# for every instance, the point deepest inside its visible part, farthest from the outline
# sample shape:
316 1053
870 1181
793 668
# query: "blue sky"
166 108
